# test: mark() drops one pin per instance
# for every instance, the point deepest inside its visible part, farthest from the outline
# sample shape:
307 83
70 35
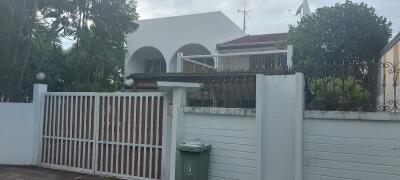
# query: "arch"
146 59
187 50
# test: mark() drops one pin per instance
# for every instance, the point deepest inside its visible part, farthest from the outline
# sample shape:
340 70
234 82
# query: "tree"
99 28
30 32
19 25
343 41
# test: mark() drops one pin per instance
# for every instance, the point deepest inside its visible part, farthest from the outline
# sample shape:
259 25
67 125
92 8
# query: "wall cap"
221 111
359 116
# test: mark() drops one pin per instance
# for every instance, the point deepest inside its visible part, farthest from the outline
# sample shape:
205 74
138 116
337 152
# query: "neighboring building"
389 81
253 43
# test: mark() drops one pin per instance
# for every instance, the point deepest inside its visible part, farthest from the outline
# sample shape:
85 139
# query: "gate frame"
40 103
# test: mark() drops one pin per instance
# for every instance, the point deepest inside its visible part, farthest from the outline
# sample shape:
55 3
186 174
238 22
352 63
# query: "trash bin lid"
194 146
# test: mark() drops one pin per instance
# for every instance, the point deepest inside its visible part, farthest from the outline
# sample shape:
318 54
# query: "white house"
153 47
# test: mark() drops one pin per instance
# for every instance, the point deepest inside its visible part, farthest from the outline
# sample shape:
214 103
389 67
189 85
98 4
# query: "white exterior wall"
171 33
16 132
233 139
349 145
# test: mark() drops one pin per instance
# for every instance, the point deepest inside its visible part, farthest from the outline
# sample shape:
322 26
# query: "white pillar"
38 102
178 103
299 108
279 117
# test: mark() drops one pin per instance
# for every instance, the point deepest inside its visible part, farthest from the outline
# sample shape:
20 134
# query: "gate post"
279 117
38 102
178 103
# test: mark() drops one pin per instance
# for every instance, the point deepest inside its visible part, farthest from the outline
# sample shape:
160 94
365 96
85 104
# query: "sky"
265 16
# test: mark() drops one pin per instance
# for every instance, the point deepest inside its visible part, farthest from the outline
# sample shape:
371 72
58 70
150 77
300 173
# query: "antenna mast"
245 14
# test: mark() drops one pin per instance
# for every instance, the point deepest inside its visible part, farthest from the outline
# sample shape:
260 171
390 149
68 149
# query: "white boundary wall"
261 145
233 139
278 141
20 129
16 130
351 145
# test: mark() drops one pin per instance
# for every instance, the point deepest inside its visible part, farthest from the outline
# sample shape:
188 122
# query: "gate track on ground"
36 173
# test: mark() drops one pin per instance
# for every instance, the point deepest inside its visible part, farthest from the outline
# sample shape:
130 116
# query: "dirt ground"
36 173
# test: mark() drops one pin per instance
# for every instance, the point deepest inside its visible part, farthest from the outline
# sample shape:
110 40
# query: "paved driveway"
36 173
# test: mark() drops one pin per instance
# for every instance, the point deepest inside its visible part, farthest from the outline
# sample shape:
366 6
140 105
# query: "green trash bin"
194 160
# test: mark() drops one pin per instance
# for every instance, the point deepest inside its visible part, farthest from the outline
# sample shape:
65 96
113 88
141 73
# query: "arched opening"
191 49
146 60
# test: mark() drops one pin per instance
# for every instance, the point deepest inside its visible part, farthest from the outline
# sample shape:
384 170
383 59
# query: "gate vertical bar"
96 131
58 129
90 137
151 136
112 133
62 132
129 118
145 145
106 140
103 113
66 130
80 132
53 131
123 134
118 143
157 135
71 98
140 135
134 120
50 121
75 130
84 138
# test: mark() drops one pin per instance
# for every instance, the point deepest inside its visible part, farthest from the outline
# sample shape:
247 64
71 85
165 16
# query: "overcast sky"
266 16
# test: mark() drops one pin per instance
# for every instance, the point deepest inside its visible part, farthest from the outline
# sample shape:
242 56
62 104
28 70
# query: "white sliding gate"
114 134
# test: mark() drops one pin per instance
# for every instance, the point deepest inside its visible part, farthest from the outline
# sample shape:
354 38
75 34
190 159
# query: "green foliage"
344 32
346 94
30 32
17 23
343 40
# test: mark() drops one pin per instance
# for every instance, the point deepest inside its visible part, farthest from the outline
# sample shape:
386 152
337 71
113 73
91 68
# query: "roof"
257 39
391 43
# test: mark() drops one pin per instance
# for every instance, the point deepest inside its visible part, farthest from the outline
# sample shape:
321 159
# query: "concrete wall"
16 131
233 140
351 145
20 128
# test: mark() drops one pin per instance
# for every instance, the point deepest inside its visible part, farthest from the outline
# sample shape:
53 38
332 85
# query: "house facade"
212 51
154 46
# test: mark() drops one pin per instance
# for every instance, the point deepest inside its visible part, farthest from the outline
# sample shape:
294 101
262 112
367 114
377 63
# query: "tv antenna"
245 13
